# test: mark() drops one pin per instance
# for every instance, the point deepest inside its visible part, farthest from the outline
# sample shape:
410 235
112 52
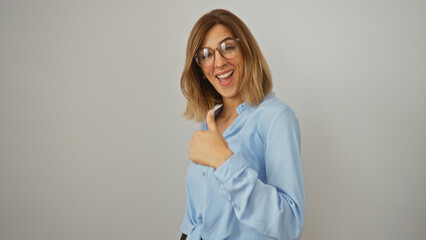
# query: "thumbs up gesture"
209 148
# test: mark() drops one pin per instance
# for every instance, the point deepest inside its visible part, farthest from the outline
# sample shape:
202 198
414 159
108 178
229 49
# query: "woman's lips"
226 78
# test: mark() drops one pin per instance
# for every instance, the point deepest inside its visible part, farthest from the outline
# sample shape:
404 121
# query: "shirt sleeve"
275 208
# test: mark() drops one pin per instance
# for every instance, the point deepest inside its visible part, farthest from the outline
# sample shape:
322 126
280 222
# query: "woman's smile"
226 78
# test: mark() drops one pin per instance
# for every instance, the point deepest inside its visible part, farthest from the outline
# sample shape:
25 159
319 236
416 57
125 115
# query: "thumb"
211 122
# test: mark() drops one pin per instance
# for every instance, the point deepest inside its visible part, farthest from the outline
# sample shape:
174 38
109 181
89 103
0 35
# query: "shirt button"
204 174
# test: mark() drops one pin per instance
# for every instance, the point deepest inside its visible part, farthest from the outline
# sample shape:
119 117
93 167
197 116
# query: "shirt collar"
251 108
245 105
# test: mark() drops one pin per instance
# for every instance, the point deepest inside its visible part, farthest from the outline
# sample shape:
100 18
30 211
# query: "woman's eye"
206 55
228 49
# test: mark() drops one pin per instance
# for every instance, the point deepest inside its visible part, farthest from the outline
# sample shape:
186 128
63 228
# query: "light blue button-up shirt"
258 192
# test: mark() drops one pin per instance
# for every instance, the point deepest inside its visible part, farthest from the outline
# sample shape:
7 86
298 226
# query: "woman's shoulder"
273 113
272 106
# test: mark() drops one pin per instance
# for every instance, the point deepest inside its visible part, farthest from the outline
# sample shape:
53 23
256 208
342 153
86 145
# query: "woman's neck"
229 107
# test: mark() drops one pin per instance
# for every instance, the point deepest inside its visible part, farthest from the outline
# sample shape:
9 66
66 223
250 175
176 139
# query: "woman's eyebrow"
226 38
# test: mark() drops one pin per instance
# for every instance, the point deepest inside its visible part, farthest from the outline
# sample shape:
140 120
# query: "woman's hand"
209 148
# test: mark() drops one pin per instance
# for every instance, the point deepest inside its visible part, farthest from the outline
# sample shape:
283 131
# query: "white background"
93 144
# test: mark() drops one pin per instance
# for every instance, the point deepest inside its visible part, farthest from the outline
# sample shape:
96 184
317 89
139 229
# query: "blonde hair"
200 94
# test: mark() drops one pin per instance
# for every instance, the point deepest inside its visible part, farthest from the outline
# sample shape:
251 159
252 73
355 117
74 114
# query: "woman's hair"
199 92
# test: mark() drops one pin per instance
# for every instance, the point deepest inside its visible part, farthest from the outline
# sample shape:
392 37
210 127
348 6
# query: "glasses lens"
229 48
204 56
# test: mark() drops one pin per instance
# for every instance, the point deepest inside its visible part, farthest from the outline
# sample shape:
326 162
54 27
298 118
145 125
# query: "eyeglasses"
228 49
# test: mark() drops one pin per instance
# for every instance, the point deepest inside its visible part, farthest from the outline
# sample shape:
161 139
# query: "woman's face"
224 74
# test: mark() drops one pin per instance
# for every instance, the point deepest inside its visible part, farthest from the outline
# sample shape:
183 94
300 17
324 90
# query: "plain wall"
93 144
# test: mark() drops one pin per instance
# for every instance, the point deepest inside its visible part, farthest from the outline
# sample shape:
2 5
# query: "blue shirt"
258 192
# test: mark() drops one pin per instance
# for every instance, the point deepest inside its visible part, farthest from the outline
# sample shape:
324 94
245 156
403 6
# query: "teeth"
225 75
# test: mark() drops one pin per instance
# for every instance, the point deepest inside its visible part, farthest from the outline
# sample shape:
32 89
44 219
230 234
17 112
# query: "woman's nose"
219 61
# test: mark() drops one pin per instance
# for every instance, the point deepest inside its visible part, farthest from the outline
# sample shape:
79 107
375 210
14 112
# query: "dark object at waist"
184 236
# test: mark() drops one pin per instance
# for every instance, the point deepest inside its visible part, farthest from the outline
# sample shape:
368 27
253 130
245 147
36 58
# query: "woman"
245 179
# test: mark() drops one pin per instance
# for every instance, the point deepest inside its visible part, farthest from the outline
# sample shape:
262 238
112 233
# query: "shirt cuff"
231 168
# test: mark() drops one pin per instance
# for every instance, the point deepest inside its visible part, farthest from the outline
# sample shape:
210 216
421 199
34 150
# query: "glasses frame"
219 49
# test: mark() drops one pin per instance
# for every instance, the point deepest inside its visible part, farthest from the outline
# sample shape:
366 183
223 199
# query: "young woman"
245 178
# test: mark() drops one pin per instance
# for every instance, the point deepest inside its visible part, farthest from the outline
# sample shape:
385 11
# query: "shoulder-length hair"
200 94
